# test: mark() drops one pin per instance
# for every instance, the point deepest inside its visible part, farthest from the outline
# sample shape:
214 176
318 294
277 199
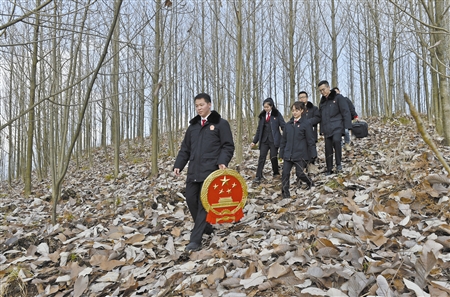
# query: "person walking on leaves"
268 135
207 146
335 118
311 113
354 116
297 148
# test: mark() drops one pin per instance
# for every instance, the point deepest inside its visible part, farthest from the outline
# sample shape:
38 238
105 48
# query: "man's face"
202 107
325 90
303 98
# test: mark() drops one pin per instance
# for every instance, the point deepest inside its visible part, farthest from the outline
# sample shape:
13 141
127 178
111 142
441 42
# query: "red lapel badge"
224 194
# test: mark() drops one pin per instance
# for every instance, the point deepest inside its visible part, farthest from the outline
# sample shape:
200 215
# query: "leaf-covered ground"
380 228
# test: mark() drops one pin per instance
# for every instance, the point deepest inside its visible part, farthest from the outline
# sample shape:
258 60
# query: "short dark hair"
203 96
323 82
335 89
302 92
298 105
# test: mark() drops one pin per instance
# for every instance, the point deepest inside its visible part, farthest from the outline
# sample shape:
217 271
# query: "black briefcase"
360 129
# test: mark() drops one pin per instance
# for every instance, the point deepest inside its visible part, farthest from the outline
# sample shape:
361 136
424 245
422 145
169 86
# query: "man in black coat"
354 116
335 118
312 112
208 145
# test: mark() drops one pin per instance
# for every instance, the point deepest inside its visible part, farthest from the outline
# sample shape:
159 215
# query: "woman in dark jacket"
298 147
268 135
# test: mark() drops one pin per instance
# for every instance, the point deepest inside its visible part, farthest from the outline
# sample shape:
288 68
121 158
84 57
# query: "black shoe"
193 246
208 229
310 185
328 173
257 180
339 168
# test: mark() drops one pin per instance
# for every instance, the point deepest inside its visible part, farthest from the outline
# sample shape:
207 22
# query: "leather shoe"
257 180
328 173
208 229
310 185
339 168
193 246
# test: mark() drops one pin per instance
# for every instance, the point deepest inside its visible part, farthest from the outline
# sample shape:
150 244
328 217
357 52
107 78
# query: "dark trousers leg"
196 209
263 150
274 158
329 153
285 175
300 171
333 143
337 148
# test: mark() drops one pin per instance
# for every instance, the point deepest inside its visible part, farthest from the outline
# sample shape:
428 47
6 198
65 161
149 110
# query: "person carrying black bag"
335 118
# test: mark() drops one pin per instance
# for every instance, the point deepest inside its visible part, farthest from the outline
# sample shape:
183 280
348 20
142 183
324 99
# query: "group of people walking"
299 135
208 145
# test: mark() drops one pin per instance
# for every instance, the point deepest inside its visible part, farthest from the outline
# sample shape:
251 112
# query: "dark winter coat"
298 141
313 115
205 147
276 121
352 108
335 115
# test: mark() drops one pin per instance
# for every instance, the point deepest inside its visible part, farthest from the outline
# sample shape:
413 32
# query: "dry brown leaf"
80 286
116 235
350 204
110 265
423 267
328 252
266 285
176 232
97 260
435 292
379 239
250 270
218 274
135 238
323 242
54 256
438 179
276 270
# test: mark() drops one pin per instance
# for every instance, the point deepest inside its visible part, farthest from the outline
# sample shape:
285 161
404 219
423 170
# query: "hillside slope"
379 228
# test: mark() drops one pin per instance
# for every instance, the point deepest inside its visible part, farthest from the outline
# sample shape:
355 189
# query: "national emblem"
223 195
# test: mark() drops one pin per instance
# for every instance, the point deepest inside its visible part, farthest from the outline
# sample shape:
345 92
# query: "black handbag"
360 129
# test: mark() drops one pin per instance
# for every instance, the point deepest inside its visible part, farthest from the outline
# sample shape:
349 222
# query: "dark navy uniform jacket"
205 148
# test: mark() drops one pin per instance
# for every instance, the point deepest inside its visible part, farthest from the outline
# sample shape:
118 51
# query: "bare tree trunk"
31 114
383 100
115 127
156 86
442 59
292 21
238 90
334 55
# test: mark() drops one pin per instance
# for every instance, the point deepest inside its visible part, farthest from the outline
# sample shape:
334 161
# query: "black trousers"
264 148
196 209
333 143
299 171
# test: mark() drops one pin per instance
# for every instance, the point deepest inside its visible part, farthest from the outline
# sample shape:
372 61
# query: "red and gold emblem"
224 193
